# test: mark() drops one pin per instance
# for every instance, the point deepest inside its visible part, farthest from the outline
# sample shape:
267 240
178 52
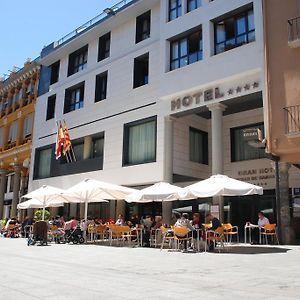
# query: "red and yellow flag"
67 140
59 141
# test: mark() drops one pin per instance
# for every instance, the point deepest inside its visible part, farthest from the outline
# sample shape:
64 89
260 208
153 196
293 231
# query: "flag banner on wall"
67 141
59 141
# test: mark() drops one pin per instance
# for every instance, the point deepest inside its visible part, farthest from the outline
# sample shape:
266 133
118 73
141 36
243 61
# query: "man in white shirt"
262 220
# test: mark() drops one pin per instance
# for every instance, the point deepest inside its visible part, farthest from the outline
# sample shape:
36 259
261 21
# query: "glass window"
54 72
98 147
104 46
143 24
186 50
44 163
241 149
174 9
101 87
28 125
140 142
13 132
74 98
193 4
198 146
141 70
78 150
51 107
78 60
234 31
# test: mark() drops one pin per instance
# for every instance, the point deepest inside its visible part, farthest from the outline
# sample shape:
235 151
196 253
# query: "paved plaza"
102 272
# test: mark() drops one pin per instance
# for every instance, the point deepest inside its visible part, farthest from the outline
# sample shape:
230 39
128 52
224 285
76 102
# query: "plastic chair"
181 234
215 236
168 236
100 230
269 230
229 231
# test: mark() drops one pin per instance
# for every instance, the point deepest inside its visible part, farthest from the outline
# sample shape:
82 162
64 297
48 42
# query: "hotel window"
54 72
28 125
13 132
44 163
101 87
139 144
175 7
78 149
198 146
143 24
51 107
78 60
104 47
193 4
241 149
97 146
234 31
74 98
186 50
141 70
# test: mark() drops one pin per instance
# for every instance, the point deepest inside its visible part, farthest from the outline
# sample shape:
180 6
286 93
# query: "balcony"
294 32
292 120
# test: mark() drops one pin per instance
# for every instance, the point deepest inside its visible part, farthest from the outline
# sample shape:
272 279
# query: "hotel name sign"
205 96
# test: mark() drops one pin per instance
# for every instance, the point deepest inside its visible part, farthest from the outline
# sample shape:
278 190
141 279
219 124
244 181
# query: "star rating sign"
230 91
247 87
238 89
255 84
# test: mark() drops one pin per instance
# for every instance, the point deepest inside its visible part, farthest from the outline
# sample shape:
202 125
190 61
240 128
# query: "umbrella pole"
85 218
43 214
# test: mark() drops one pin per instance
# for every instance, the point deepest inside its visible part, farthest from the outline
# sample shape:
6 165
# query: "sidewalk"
100 272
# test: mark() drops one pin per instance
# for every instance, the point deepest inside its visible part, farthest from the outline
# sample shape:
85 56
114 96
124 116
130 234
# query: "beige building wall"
283 79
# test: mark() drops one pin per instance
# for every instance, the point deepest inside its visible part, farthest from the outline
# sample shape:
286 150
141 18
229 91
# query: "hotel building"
18 95
158 91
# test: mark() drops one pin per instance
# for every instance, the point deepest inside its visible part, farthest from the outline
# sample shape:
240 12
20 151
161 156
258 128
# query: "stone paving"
102 272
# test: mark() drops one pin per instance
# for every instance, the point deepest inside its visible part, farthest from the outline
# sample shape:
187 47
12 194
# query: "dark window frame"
101 86
69 105
140 76
194 3
141 33
74 65
248 32
232 141
204 159
50 113
96 138
199 53
103 49
125 151
177 9
54 77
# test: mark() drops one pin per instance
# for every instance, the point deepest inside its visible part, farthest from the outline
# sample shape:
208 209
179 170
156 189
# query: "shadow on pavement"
253 250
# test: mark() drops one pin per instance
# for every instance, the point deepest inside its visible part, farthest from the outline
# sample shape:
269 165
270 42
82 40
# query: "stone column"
16 190
120 208
287 232
112 209
168 166
3 177
23 188
87 147
217 148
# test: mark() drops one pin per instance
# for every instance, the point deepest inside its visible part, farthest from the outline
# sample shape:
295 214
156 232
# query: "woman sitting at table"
120 221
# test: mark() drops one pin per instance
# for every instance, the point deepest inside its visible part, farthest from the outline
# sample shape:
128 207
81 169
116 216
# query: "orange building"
17 101
282 101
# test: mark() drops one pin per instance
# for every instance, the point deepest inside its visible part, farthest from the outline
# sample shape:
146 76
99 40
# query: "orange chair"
229 231
167 237
269 230
181 234
216 236
100 230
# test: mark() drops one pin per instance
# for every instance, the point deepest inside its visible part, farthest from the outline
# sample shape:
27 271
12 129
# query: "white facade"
240 70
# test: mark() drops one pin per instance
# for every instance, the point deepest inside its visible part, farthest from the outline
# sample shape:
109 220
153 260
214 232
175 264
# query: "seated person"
120 221
24 226
183 221
262 219
215 224
196 223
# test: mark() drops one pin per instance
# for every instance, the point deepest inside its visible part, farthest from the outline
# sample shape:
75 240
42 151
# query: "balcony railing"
292 117
294 32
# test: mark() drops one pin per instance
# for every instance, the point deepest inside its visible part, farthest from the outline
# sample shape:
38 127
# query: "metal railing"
110 11
292 119
294 29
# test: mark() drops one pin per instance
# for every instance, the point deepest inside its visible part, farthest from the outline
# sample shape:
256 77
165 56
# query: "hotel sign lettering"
209 95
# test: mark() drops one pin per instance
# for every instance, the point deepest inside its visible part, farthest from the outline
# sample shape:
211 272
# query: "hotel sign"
209 95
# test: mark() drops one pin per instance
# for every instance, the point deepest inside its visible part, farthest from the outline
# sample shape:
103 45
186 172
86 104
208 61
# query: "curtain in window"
44 163
28 123
141 147
13 132
196 146
98 145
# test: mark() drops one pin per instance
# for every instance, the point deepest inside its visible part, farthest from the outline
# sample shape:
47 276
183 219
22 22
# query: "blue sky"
29 25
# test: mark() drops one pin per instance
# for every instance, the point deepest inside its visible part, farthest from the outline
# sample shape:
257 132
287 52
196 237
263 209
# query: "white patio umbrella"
48 195
220 185
158 192
34 203
90 190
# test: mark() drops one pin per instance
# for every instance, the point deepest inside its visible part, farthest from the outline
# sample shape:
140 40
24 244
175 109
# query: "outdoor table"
247 229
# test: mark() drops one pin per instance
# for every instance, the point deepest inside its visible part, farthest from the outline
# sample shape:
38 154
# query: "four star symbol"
238 89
